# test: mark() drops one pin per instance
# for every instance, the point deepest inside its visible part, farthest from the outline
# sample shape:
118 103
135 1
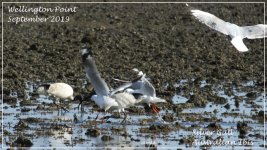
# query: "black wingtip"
85 52
137 79
46 86
189 7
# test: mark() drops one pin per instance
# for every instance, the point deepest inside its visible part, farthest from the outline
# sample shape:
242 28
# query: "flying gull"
237 33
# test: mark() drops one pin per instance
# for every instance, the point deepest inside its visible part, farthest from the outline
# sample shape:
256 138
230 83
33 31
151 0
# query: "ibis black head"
78 97
46 86
42 89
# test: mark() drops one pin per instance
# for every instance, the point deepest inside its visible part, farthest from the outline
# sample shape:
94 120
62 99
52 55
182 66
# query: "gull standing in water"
147 91
144 87
104 97
237 33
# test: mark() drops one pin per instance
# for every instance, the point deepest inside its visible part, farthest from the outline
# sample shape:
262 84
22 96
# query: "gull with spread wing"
237 33
146 89
105 98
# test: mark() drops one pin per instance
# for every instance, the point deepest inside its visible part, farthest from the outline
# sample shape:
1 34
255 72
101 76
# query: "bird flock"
124 96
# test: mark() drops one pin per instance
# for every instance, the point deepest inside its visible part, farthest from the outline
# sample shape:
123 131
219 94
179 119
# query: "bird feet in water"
79 98
107 117
124 119
75 118
65 109
82 109
155 108
62 108
102 119
160 119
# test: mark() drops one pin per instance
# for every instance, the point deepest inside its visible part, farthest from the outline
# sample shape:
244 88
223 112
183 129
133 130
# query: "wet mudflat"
214 93
235 120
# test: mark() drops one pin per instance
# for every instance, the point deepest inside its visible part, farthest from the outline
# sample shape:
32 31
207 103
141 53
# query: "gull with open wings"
237 33
105 98
144 87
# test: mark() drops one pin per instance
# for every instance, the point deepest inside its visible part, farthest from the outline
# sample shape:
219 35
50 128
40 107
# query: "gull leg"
155 108
105 118
111 116
102 119
160 118
97 115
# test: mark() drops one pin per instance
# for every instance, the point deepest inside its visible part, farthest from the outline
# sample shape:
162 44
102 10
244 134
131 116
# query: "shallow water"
59 129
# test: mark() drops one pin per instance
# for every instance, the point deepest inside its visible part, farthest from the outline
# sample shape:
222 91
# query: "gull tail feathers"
159 100
238 44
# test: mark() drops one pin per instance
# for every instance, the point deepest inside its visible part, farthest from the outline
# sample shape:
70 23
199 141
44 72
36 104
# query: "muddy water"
213 125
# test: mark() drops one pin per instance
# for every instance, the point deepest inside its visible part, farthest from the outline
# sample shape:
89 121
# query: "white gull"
105 98
237 33
146 89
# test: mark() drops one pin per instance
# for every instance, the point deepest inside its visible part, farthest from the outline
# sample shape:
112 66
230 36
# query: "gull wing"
100 86
126 85
142 86
253 32
121 88
212 21
147 88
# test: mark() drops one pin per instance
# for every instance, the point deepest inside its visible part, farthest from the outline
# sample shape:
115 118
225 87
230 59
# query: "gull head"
86 50
140 73
85 53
